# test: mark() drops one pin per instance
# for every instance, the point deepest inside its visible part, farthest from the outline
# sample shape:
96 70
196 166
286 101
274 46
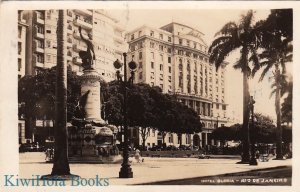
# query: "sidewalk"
152 170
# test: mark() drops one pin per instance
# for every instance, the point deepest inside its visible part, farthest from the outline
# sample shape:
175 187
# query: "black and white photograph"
138 95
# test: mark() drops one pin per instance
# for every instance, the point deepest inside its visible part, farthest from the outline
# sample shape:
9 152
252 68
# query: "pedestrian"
137 156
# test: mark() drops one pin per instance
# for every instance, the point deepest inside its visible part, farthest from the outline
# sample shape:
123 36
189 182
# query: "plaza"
152 170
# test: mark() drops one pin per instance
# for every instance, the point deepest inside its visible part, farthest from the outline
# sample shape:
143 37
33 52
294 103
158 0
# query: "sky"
209 22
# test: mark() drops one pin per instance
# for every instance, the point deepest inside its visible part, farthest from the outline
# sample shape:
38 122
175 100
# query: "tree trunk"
61 164
279 154
245 128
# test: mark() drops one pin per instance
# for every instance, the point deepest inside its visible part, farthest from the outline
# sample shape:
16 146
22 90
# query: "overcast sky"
209 22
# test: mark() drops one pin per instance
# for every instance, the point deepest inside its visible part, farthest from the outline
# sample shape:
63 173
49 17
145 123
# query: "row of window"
192 44
152 34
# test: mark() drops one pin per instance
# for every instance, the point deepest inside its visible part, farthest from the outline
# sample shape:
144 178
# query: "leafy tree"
38 92
238 36
276 36
264 130
148 108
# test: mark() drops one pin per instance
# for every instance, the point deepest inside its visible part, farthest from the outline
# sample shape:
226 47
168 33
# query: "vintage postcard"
140 96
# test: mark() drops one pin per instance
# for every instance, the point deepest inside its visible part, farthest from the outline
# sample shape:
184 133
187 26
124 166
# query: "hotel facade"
175 58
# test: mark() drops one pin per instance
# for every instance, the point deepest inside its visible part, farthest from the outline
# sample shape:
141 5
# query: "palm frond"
229 28
265 71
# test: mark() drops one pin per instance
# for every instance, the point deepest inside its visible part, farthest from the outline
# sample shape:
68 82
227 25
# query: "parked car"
31 147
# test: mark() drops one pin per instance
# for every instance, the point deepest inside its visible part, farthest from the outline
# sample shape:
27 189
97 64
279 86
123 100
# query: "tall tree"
238 36
276 36
60 162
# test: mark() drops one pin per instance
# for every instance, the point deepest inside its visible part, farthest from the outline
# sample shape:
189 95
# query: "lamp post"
125 171
253 160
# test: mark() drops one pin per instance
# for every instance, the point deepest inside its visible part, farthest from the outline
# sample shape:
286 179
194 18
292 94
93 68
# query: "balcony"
39 18
84 24
77 60
37 63
36 48
84 12
78 48
39 35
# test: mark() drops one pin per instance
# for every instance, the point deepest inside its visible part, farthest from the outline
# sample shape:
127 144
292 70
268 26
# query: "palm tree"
276 40
231 37
61 164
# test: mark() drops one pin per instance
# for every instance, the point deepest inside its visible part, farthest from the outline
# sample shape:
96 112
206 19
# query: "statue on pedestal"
87 56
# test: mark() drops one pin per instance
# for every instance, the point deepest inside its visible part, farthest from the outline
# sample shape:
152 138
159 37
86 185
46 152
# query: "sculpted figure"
87 56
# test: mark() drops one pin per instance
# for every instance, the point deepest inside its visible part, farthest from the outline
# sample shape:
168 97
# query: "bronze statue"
87 56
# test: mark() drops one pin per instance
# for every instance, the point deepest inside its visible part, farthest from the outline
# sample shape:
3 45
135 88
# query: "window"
152 33
187 42
40 29
19 64
169 50
161 47
48 15
217 106
140 45
19 48
224 107
140 65
151 45
161 36
169 59
152 55
141 75
40 44
40 58
132 37
160 67
180 41
180 52
48 59
169 39
153 132
19 32
170 69
152 65
140 55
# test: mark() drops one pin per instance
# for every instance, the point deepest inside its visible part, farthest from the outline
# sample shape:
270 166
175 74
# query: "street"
163 170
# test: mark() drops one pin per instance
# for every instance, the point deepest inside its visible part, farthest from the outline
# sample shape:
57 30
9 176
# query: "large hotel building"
173 57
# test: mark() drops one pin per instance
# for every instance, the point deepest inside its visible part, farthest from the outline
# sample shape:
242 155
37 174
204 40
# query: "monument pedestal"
86 135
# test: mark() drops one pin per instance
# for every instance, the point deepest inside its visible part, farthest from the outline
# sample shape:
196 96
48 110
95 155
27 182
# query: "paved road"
152 170
271 176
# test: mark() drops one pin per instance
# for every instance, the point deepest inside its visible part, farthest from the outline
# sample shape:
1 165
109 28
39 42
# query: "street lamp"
253 160
125 171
